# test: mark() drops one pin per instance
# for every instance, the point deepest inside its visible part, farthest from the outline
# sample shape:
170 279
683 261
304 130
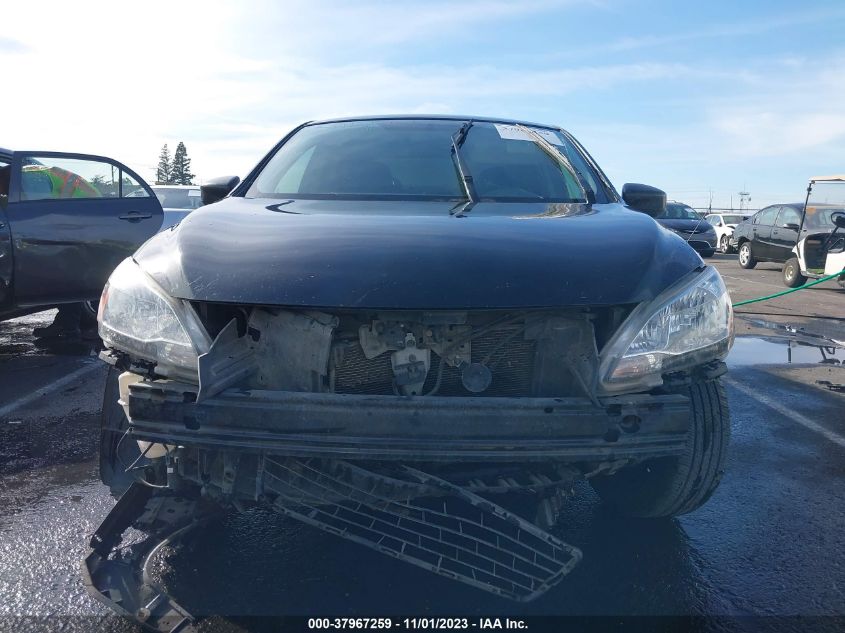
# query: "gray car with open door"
66 221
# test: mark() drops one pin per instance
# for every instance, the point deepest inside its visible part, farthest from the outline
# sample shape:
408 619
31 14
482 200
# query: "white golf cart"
820 250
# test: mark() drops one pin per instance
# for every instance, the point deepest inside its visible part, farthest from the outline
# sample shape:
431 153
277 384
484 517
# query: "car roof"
437 117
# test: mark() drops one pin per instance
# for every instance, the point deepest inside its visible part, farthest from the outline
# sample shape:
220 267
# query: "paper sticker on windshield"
512 132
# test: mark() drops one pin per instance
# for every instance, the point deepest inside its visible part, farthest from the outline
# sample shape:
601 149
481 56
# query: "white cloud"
801 107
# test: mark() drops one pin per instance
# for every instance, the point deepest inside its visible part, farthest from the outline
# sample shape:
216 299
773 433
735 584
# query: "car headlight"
689 323
136 316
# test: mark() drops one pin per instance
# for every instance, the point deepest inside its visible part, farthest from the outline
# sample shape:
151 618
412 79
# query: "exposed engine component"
279 349
291 348
476 377
450 341
494 354
410 366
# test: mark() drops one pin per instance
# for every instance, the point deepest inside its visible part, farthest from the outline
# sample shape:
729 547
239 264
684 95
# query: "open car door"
5 233
73 218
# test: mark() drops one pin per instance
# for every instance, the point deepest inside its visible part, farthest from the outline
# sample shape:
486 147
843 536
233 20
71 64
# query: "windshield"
413 160
826 198
675 211
176 198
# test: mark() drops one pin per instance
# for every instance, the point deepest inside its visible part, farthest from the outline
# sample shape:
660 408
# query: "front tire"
671 486
725 245
746 256
116 451
89 314
792 276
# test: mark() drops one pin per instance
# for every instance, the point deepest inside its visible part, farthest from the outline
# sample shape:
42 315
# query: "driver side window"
788 215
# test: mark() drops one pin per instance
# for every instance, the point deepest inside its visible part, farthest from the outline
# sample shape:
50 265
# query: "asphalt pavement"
769 542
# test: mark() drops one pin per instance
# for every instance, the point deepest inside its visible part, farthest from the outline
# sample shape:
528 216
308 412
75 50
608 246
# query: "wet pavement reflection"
754 350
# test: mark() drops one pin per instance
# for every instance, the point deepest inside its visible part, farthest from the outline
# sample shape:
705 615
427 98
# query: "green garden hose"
786 292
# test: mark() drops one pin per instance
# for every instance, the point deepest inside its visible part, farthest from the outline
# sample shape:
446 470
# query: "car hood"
403 255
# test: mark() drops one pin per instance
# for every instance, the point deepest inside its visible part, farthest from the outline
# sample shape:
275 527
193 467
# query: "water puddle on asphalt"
754 350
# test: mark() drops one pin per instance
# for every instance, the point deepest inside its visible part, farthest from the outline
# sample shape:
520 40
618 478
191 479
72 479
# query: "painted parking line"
787 412
86 369
753 281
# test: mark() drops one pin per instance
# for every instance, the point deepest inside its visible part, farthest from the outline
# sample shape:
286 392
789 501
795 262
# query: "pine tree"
180 173
165 167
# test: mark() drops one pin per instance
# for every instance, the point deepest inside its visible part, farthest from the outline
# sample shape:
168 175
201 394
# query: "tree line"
176 170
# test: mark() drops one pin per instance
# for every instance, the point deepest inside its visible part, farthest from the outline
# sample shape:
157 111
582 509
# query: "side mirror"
650 200
218 188
790 225
839 220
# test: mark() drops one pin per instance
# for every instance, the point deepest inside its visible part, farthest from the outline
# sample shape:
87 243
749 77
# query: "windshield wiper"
458 139
557 156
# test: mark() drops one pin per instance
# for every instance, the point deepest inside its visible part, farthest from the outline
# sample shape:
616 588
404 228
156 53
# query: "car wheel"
89 313
792 276
746 256
115 454
725 244
672 486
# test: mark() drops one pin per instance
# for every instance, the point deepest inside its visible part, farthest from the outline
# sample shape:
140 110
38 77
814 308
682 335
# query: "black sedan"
393 316
691 226
769 235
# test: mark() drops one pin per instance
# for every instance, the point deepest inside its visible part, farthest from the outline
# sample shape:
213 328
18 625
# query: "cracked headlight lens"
688 324
136 316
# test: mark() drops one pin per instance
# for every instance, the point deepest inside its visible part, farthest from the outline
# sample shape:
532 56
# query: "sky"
703 100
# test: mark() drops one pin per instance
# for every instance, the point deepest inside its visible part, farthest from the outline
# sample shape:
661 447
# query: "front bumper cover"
302 439
703 244
341 426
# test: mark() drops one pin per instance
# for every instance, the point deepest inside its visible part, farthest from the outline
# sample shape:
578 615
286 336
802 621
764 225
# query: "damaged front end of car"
391 428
